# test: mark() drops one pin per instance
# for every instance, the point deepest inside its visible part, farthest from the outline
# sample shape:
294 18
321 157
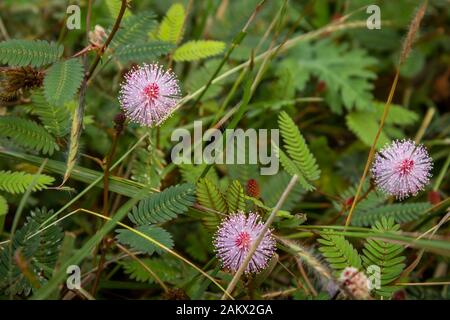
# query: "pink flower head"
235 237
356 282
402 168
149 94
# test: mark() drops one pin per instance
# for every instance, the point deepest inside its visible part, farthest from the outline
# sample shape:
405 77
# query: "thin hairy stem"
405 52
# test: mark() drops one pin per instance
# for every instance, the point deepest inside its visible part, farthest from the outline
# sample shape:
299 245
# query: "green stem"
115 28
235 121
372 149
18 214
95 182
282 47
234 44
106 211
442 173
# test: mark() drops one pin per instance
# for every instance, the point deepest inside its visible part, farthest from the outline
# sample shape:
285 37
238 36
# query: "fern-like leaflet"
398 114
373 208
134 29
158 208
291 168
338 251
196 50
18 182
29 52
386 256
113 7
62 81
235 197
345 72
56 119
209 196
28 134
163 206
148 166
140 243
400 212
3 211
299 160
166 268
364 124
140 52
38 253
171 28
365 128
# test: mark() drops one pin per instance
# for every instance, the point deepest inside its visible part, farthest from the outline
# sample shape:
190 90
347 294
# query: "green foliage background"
309 68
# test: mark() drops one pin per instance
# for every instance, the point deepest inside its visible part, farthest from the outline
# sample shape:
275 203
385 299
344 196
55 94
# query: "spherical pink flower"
402 168
356 282
149 94
234 238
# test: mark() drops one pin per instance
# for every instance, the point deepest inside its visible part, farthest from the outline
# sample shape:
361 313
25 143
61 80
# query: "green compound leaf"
365 128
141 52
18 181
386 256
167 269
171 28
139 243
196 50
134 29
62 81
400 212
299 160
345 72
40 253
56 119
209 196
113 7
235 197
3 211
339 252
163 206
36 53
28 134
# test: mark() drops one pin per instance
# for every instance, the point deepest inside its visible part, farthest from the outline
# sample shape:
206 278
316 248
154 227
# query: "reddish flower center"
152 91
243 240
406 166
